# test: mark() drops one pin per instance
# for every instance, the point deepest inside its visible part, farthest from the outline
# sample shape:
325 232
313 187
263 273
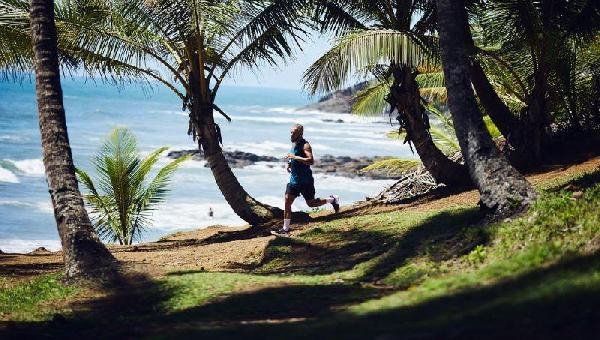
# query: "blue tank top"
300 173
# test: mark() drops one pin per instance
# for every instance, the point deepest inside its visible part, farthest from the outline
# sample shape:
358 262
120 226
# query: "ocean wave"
172 217
42 206
25 246
28 167
8 176
269 148
267 167
279 120
11 138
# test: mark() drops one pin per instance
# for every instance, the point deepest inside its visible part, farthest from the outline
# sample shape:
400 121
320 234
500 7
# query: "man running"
301 181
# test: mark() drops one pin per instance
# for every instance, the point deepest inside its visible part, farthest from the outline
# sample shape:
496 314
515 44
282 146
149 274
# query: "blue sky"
286 76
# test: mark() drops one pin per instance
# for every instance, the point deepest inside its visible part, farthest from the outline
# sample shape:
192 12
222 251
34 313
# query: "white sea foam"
279 120
42 206
29 167
267 167
45 207
269 148
7 176
363 141
25 246
189 164
189 215
11 138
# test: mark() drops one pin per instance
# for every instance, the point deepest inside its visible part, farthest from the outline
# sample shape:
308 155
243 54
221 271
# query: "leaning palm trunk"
208 134
84 255
502 188
405 97
244 205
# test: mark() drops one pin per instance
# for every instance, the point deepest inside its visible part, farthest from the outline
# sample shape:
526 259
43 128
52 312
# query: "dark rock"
236 159
40 251
334 165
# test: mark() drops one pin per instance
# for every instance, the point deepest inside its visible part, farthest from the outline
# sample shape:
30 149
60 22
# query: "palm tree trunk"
84 255
407 99
208 134
244 205
501 187
500 114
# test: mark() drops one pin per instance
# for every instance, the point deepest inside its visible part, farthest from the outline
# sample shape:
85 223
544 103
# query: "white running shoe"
281 232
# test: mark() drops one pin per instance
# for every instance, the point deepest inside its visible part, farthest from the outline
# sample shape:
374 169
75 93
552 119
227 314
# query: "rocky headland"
333 165
338 101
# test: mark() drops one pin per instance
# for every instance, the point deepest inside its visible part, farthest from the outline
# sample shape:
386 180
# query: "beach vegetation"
390 46
122 196
407 271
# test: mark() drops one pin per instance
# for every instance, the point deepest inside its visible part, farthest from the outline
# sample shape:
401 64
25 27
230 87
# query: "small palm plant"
123 196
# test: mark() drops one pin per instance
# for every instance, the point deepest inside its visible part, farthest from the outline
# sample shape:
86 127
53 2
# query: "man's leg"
291 192
309 195
287 212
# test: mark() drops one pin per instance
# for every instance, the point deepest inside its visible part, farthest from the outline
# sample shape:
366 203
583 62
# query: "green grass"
393 166
32 300
428 274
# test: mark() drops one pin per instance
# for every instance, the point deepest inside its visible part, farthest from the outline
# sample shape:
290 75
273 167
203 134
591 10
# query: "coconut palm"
531 52
83 253
189 46
124 197
502 189
383 41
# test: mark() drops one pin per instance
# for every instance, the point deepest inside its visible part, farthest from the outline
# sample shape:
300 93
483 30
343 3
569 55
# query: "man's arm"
308 160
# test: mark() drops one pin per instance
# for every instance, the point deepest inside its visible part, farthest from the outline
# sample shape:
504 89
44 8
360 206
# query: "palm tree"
381 39
502 189
125 196
84 255
189 46
197 43
530 49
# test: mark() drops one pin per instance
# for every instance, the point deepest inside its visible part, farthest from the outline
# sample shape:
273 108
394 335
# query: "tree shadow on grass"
111 310
442 236
550 302
276 303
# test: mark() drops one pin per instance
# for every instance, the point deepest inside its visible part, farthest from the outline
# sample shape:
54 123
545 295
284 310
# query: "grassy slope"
422 274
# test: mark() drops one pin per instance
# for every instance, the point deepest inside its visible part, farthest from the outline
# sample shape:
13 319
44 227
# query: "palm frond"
434 94
445 140
360 49
371 100
157 189
491 127
121 197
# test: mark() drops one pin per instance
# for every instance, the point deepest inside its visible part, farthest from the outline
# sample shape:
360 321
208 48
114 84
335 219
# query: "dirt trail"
185 251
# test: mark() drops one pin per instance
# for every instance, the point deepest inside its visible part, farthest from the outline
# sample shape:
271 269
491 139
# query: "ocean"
261 117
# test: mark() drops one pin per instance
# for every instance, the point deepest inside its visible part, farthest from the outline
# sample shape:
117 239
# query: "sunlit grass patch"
31 300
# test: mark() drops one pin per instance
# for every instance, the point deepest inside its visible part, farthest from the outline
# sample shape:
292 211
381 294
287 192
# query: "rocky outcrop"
348 166
328 164
40 251
337 102
236 159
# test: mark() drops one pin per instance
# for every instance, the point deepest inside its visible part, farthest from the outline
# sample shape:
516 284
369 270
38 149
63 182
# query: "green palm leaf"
371 100
360 49
124 195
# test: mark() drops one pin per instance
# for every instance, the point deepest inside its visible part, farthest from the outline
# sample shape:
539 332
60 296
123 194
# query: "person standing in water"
301 180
